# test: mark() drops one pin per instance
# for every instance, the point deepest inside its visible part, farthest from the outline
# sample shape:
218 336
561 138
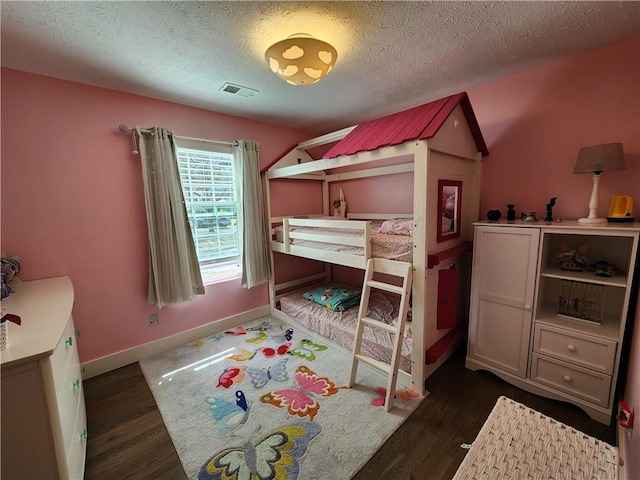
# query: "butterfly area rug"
263 401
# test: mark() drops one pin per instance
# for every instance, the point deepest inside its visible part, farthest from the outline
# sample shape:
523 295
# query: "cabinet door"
502 291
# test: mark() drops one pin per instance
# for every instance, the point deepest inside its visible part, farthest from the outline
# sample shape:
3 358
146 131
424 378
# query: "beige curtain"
174 272
255 249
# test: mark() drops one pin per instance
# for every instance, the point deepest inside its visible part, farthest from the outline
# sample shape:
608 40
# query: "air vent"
238 90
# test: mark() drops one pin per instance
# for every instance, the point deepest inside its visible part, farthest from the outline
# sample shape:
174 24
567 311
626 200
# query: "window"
209 187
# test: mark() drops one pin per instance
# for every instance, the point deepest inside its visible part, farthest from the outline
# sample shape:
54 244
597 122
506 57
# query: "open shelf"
609 328
586 277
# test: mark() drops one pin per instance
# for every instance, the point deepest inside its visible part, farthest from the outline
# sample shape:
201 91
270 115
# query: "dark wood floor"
127 439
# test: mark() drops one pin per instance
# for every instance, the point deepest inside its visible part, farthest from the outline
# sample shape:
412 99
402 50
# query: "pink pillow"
397 227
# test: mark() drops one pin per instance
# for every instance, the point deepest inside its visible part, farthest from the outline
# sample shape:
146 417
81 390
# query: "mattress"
341 326
392 247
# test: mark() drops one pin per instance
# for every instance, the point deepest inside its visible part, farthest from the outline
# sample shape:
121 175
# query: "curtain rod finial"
124 128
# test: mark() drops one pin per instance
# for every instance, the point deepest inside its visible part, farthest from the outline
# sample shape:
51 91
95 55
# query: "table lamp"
597 159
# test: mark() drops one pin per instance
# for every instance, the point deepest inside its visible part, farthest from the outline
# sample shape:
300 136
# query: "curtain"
174 272
255 249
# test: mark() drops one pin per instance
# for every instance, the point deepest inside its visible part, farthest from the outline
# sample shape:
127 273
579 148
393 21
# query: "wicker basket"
4 335
517 442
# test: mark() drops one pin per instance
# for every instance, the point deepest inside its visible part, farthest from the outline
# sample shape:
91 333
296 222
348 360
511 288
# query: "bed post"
326 207
420 181
272 288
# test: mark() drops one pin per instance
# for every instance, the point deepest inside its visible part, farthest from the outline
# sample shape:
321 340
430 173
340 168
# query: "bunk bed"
427 151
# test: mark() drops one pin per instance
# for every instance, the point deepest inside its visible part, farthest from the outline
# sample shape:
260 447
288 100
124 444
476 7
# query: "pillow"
397 227
336 298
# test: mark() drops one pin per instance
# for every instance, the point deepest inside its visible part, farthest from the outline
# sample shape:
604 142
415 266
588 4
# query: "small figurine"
550 205
528 218
574 260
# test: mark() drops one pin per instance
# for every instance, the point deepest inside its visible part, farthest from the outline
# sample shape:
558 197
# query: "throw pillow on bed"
397 227
334 297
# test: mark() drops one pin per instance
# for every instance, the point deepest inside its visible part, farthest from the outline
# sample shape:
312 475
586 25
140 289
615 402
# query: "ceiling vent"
238 90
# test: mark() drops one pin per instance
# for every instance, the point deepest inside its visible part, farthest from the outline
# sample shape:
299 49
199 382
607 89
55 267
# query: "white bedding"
341 326
392 247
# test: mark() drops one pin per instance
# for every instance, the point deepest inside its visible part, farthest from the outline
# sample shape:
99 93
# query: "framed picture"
449 209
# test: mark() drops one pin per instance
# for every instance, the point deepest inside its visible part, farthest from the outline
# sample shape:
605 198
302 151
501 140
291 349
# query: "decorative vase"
494 215
511 213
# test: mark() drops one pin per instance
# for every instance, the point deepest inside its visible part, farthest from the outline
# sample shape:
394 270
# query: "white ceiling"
391 55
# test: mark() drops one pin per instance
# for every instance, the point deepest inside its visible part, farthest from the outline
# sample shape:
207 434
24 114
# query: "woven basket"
517 442
4 335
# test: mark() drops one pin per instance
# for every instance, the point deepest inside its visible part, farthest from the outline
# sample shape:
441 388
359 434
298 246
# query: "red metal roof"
418 123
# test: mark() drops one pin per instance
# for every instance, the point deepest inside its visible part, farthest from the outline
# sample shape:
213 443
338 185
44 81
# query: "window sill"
219 274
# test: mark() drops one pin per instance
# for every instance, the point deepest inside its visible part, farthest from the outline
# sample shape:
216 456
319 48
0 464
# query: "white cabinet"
502 291
43 411
550 330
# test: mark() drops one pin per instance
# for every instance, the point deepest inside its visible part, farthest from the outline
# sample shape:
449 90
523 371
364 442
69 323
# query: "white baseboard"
132 355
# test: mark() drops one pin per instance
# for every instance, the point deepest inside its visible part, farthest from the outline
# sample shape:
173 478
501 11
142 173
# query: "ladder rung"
385 286
378 324
384 367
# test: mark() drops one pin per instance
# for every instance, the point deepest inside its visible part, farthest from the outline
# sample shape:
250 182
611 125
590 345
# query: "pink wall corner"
632 396
534 124
73 204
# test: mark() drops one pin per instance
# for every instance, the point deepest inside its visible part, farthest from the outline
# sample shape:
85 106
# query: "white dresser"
552 331
44 424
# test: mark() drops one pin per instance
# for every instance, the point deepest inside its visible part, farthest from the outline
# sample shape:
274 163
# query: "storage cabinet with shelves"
571 343
44 424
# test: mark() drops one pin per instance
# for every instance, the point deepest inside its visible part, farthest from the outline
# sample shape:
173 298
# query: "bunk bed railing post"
367 241
272 286
285 235
420 241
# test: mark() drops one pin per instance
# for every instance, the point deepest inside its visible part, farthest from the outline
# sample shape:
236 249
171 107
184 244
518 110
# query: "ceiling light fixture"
301 59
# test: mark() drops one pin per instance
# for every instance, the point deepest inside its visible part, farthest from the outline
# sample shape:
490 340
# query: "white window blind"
208 183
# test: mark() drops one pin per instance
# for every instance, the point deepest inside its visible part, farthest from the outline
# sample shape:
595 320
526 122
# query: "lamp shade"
301 59
600 158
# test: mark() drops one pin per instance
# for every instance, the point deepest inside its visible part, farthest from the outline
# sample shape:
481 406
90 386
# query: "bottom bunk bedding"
341 326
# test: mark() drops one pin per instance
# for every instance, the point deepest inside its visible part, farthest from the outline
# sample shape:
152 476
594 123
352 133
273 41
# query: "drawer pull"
76 385
69 342
527 307
567 378
571 348
84 435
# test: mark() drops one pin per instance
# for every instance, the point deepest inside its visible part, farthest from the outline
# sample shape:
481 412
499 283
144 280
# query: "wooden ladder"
395 269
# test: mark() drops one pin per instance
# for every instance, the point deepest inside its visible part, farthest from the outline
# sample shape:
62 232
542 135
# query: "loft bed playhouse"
430 156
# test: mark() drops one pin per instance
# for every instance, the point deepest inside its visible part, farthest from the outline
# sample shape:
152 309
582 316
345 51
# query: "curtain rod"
126 129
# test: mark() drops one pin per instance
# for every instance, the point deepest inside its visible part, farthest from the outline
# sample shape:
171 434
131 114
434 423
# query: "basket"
517 442
581 301
4 334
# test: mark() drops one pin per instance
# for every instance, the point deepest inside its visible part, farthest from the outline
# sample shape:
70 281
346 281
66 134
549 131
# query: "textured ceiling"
391 55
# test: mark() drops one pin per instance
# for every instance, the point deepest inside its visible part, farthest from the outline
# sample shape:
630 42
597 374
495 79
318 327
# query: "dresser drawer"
61 355
572 379
68 399
588 351
78 447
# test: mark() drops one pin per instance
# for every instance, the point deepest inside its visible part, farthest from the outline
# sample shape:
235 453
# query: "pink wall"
73 204
535 123
72 193
632 396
